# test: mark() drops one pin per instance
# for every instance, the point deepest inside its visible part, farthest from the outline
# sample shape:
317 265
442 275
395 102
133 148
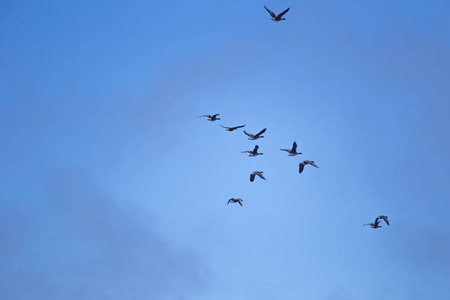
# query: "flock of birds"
291 152
254 152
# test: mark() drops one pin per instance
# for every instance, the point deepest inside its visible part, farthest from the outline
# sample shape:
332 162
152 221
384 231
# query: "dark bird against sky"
211 118
255 136
293 151
302 165
254 152
274 16
232 128
375 224
235 200
259 173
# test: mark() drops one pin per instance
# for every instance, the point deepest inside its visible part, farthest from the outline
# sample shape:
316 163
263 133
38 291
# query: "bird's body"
259 173
302 165
254 152
232 128
255 136
211 117
278 17
235 200
293 151
376 224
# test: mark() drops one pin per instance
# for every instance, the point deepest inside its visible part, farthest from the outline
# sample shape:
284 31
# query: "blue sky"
112 187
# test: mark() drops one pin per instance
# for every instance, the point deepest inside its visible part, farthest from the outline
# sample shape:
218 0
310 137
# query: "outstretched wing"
236 127
208 116
312 163
270 12
249 134
281 14
286 150
256 149
301 166
229 201
215 115
377 221
260 175
248 151
385 218
294 147
240 201
252 177
261 132
224 126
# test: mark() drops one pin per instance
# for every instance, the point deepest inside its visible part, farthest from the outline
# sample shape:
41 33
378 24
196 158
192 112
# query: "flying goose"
301 166
274 16
293 151
232 128
376 225
254 152
255 136
234 200
259 173
211 118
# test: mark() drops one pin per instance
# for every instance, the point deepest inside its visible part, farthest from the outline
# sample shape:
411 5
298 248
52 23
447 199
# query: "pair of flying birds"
292 152
250 136
252 178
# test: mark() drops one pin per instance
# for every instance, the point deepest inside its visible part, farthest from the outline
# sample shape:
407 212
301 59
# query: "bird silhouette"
376 224
232 128
302 165
274 16
255 136
235 200
293 151
211 118
254 152
259 173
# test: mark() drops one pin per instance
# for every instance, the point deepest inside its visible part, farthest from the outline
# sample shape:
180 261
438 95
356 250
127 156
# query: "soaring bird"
376 225
211 118
293 151
254 152
234 200
301 166
274 16
255 136
259 173
232 128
